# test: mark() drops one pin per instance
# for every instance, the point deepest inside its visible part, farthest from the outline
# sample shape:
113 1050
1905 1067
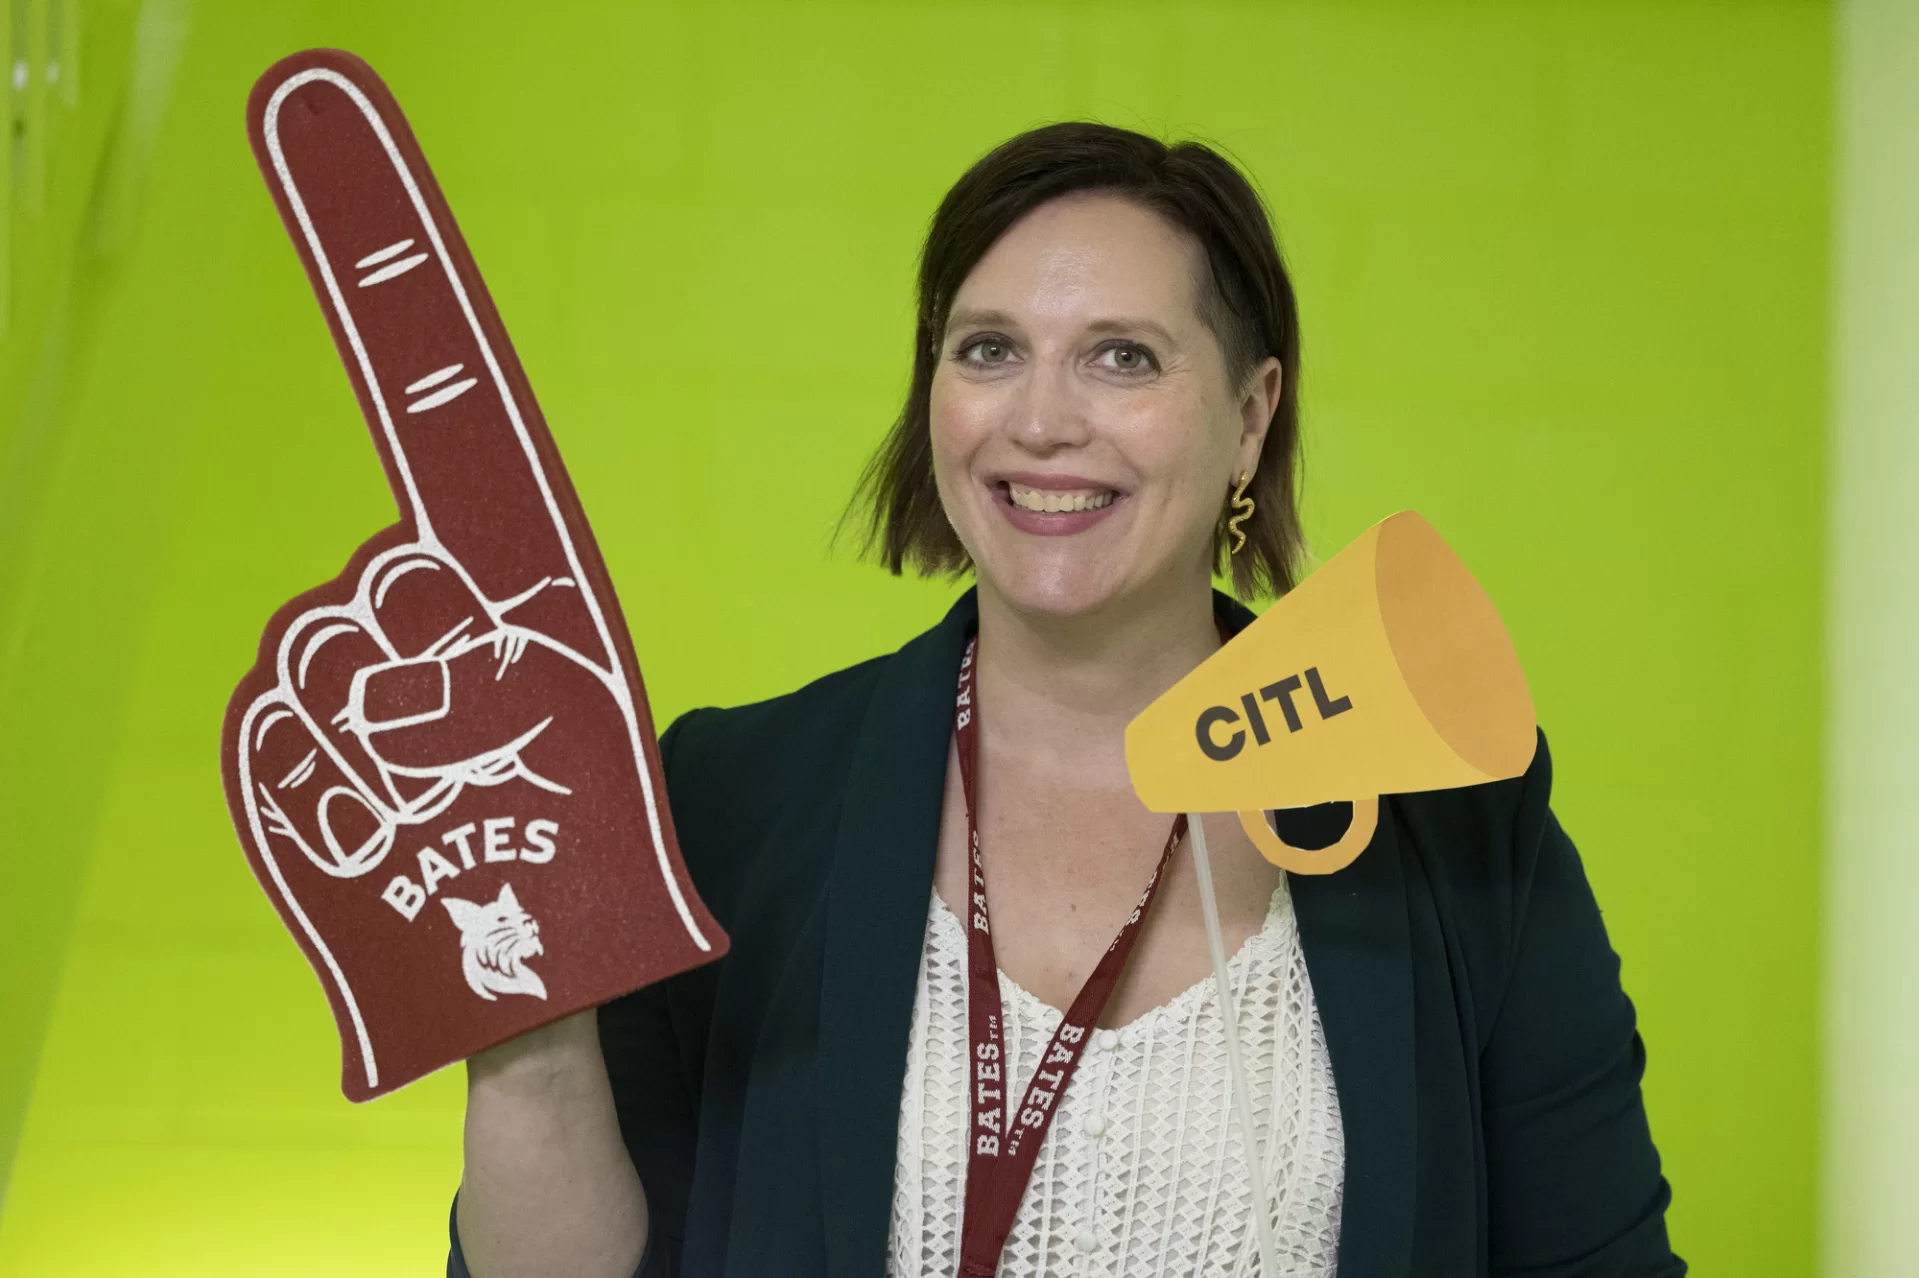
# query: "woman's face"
1085 430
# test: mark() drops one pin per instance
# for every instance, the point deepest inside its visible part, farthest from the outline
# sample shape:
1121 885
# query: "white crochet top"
1142 1171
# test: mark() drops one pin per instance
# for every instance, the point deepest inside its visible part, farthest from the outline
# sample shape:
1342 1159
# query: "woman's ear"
1258 401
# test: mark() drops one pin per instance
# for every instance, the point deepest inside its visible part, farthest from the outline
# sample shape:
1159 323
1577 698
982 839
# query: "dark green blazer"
1485 1056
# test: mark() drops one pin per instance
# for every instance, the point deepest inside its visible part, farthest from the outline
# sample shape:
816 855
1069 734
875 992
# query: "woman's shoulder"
1482 829
779 743
783 744
769 779
1502 876
1464 835
766 779
1471 861
1482 844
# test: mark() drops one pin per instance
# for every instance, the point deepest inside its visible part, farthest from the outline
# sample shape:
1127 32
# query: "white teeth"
1051 502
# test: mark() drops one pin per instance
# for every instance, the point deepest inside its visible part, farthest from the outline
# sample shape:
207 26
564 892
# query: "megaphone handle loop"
1314 860
1229 1017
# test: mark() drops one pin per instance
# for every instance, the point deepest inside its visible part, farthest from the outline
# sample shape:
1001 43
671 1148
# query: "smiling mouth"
1050 502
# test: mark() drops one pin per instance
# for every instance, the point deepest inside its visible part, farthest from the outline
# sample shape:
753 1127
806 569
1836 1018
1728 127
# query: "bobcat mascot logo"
495 942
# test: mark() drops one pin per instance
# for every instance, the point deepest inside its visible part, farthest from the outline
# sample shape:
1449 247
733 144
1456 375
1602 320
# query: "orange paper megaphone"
1384 672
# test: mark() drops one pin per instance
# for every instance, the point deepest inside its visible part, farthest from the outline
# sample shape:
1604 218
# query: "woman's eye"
984 350
1127 358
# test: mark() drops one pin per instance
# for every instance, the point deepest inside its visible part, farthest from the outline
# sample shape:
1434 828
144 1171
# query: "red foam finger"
465 448
442 763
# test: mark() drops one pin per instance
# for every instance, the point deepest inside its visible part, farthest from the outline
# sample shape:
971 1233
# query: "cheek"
961 420
959 417
1180 448
953 425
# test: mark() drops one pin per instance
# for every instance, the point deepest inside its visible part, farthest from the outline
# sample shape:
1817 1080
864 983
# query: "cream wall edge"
1870 1207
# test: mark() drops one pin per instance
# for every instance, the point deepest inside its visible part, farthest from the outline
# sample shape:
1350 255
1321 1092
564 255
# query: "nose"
1052 413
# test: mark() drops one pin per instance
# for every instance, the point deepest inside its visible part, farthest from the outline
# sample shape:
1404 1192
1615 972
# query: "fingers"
426 736
298 796
423 604
319 655
470 713
464 446
408 690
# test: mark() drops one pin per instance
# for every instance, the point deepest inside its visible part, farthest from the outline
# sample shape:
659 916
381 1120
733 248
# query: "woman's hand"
548 1187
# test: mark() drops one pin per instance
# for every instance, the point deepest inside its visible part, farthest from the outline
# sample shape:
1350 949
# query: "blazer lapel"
878 890
1358 945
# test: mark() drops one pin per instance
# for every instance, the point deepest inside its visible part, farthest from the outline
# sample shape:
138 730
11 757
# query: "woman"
1444 1072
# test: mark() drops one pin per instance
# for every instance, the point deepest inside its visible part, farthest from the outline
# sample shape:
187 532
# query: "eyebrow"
1120 325
1117 325
973 318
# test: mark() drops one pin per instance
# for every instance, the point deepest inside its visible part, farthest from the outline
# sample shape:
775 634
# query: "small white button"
1094 1125
1107 1039
1086 1240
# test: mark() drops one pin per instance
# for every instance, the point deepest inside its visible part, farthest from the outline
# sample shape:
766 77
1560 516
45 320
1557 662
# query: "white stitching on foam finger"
398 268
289 690
302 771
316 642
434 378
440 397
260 736
378 256
379 593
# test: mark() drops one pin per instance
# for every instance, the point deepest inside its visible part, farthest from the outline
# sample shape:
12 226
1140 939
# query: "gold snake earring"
1242 511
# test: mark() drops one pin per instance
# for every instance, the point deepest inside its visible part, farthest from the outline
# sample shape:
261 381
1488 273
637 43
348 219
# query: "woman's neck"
1057 692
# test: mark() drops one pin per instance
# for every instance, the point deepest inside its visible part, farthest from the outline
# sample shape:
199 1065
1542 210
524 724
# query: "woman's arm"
1574 1184
548 1186
564 1123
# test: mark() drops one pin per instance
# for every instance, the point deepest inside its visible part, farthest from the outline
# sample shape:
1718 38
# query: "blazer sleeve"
651 1041
1574 1188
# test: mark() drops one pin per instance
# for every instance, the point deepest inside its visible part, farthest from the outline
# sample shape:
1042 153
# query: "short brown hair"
1246 299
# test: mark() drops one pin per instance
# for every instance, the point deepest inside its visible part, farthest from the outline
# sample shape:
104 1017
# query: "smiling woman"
1199 312
965 1026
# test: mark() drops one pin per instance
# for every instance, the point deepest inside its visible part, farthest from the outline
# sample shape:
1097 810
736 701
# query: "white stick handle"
1229 1014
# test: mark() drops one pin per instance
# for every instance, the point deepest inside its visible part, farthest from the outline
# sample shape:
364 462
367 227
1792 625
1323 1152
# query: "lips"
1054 505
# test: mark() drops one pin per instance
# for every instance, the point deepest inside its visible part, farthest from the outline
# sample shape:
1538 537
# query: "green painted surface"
1562 272
71 584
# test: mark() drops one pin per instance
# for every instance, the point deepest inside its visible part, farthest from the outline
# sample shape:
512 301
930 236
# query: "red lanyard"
1006 1144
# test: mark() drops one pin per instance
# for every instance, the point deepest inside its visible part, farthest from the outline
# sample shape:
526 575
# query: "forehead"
1087 256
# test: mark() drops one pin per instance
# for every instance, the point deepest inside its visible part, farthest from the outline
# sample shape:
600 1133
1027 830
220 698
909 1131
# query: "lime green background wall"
1563 280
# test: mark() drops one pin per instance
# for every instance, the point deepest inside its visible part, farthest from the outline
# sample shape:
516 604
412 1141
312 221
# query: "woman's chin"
1058 588
1104 571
